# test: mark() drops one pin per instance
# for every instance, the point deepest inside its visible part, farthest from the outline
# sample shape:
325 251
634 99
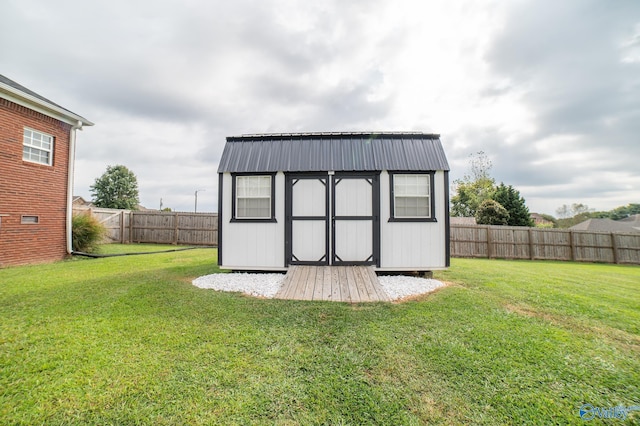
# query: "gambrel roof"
339 151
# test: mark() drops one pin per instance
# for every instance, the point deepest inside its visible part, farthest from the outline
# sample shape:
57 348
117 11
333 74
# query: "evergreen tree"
511 200
117 188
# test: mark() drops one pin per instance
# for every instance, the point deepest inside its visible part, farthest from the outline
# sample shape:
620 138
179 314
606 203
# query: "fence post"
122 227
572 248
531 256
489 254
614 246
131 226
176 230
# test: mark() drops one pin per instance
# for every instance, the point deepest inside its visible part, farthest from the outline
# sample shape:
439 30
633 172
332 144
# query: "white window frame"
396 194
237 196
34 146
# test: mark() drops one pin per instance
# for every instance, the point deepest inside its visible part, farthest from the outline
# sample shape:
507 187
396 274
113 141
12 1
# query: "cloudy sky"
549 90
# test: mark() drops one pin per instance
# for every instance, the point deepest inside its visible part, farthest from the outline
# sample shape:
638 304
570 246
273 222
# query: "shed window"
253 197
412 197
37 147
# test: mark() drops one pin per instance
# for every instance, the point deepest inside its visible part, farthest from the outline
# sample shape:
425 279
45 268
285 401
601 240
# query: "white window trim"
429 218
50 151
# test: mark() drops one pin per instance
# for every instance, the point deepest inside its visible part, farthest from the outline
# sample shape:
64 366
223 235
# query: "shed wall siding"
248 245
413 245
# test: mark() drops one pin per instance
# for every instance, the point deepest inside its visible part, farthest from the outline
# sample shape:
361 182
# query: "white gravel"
401 286
263 285
267 285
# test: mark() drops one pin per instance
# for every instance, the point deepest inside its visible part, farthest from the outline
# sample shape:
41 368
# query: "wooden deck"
351 284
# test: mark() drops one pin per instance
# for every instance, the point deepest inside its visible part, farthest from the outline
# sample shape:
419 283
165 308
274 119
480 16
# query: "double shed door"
332 219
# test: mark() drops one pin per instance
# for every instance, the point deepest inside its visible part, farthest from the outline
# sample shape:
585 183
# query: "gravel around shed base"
267 285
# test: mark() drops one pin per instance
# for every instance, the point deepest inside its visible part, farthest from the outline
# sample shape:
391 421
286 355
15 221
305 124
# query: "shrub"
491 212
87 233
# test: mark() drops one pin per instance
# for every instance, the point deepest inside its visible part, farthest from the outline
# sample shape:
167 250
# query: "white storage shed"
348 198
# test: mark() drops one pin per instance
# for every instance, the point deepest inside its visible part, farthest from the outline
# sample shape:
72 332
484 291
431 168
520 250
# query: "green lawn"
128 340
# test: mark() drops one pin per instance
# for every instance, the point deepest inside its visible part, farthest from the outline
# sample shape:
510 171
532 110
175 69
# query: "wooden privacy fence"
510 242
126 226
506 242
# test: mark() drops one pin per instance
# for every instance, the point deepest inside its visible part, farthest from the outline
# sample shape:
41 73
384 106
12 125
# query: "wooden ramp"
351 284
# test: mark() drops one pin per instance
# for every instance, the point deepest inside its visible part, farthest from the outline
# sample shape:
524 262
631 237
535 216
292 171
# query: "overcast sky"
548 89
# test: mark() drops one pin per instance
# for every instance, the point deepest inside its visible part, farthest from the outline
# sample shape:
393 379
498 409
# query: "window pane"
412 207
254 207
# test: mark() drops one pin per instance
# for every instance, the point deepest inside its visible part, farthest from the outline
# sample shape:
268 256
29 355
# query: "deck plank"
318 290
352 282
326 283
310 283
361 283
336 293
300 287
343 283
380 293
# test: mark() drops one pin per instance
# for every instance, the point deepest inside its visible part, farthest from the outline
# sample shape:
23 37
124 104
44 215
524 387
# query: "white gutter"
70 173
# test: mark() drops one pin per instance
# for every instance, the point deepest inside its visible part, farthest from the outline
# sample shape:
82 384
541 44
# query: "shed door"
307 224
355 219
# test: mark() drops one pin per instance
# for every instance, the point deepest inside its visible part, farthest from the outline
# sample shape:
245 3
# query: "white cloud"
548 96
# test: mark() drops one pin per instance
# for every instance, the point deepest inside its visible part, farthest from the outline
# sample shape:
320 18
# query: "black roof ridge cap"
271 136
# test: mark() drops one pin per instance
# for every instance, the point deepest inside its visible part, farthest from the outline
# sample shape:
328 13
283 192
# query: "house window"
29 220
412 197
253 197
37 147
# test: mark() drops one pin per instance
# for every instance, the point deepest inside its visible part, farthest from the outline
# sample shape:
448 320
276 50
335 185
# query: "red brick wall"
31 189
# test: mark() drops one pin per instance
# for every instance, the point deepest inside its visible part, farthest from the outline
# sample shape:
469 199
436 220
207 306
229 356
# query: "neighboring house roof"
80 201
604 225
454 220
340 151
633 221
539 219
20 95
632 218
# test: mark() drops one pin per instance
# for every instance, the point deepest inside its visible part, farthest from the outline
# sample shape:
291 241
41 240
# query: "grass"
128 340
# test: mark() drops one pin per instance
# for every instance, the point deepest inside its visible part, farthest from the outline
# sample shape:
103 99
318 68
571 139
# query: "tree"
510 199
490 212
574 214
624 211
473 189
575 209
117 188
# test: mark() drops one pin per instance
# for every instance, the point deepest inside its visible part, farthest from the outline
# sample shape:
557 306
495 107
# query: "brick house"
37 151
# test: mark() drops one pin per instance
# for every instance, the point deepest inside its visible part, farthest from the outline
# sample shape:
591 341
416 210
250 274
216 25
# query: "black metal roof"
339 151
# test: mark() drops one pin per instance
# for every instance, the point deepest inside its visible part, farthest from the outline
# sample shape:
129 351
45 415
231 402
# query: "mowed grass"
129 340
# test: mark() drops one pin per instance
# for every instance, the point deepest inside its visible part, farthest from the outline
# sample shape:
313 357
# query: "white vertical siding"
412 245
248 245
